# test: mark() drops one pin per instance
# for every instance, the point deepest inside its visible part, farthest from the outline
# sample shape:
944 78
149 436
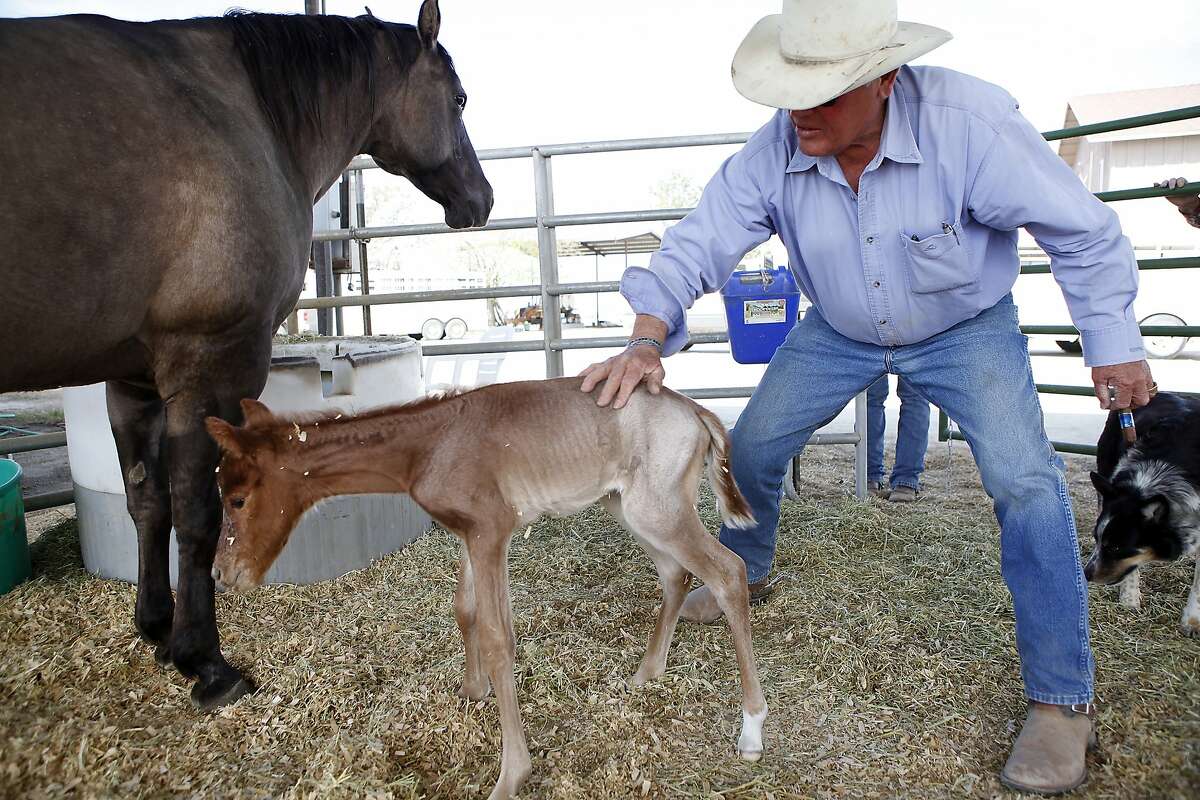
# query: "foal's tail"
735 511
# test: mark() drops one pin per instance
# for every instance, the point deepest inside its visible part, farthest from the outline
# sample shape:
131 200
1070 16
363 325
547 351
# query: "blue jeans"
912 434
979 373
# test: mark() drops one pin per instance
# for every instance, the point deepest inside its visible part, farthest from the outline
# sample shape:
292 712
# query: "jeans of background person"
912 434
979 372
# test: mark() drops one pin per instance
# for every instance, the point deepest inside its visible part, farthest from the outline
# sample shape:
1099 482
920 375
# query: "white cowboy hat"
817 50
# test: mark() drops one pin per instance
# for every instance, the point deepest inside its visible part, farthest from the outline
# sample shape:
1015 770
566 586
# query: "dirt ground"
40 412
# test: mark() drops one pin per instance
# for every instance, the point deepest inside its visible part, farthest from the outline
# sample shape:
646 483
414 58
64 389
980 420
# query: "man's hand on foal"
1131 380
622 373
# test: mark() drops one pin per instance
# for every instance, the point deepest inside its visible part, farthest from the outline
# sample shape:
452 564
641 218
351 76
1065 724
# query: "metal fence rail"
546 222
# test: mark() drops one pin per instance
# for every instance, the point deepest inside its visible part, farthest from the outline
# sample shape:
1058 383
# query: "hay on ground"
888 662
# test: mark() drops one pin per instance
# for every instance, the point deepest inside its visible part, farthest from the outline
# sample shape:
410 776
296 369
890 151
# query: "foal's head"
262 502
418 130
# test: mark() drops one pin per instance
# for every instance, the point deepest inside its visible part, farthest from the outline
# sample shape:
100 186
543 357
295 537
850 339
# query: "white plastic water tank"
339 535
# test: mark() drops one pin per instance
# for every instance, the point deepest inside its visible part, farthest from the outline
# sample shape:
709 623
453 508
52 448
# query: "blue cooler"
761 306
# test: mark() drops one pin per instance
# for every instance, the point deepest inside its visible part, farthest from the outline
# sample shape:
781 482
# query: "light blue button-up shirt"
930 239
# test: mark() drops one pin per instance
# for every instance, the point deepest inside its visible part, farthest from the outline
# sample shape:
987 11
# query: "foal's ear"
256 414
429 21
224 434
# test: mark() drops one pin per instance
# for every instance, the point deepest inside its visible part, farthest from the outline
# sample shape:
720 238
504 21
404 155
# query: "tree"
677 191
680 191
503 263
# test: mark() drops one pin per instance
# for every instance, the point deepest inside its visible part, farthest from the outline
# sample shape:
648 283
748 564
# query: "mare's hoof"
162 656
153 634
217 693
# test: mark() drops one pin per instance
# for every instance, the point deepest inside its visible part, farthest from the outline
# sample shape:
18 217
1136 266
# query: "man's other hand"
1187 203
1132 381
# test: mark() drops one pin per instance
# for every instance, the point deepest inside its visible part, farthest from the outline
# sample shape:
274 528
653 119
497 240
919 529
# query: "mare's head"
418 129
262 502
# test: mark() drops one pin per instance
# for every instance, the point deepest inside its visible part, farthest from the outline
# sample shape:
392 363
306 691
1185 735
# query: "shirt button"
870 240
876 284
883 322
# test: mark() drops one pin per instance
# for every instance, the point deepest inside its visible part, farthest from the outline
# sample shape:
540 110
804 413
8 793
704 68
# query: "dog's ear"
1103 485
1155 509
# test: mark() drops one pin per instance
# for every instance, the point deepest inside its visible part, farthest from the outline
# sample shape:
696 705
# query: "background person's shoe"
903 494
878 489
1050 755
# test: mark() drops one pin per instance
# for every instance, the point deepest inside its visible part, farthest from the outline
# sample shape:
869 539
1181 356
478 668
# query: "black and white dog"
1149 498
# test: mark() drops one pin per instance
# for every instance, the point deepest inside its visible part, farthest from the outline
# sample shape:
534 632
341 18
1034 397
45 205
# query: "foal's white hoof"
750 747
749 755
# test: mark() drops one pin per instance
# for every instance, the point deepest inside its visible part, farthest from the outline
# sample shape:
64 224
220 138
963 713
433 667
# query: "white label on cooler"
759 312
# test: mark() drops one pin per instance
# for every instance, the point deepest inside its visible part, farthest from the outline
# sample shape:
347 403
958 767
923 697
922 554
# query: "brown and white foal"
484 463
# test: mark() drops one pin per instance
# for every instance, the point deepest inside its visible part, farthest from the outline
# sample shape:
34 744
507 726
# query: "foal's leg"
475 681
136 415
675 582
674 526
493 628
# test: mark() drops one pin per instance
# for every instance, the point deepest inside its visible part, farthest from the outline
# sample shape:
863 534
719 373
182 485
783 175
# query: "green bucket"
14 547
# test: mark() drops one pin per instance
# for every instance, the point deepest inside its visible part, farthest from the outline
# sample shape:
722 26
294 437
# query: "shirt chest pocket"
937 263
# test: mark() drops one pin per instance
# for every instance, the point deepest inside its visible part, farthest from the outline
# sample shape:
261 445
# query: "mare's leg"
1131 589
1191 612
475 681
136 414
675 582
675 528
200 377
493 627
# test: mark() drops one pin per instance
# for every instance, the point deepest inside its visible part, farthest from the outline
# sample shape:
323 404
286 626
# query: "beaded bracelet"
655 343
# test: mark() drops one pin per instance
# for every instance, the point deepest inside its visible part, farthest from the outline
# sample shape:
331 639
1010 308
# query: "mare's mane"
288 56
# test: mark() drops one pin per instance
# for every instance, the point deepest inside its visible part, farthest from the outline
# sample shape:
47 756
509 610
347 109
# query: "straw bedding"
888 662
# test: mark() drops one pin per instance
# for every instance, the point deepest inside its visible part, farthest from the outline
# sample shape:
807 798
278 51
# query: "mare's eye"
461 101
238 502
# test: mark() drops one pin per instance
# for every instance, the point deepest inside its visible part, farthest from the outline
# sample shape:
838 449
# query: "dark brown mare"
159 180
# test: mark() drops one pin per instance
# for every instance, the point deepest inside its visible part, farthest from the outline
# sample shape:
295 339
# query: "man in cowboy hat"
898 192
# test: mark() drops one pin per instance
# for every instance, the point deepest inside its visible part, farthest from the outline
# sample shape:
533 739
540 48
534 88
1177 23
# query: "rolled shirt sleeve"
1021 182
700 252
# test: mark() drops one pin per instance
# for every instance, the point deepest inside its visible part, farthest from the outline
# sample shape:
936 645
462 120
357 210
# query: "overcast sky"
557 70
